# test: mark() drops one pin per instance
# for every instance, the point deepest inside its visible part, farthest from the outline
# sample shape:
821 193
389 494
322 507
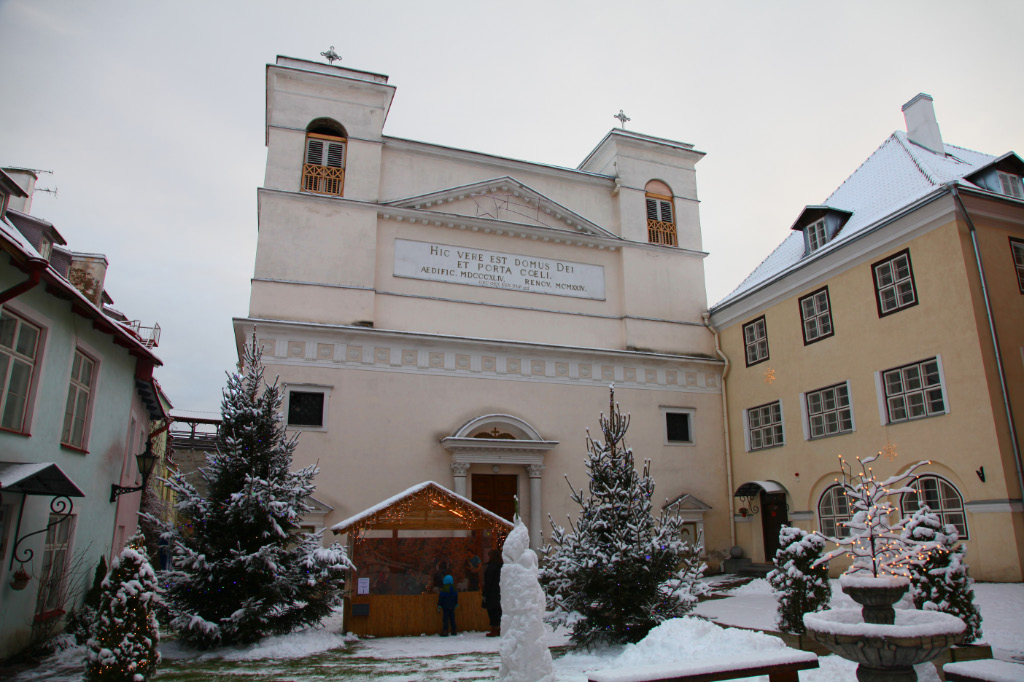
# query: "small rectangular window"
678 426
305 409
76 411
816 314
913 391
1017 252
764 426
894 283
755 341
1010 184
816 235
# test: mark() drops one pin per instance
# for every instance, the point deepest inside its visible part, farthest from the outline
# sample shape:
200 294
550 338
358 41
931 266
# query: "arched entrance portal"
500 439
767 499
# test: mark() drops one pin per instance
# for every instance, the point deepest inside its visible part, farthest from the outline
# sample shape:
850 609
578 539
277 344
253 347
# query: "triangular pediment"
687 502
506 200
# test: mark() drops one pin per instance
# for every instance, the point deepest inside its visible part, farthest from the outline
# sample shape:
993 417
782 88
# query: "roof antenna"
330 55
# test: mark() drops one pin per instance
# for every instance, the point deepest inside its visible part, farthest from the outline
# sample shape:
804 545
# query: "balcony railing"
661 232
323 179
149 336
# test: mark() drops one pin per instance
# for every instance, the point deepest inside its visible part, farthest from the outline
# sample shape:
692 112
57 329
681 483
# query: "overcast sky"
151 116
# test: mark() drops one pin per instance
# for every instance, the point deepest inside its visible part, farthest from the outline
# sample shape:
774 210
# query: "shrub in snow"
123 645
240 570
875 544
940 582
619 571
800 585
524 656
80 621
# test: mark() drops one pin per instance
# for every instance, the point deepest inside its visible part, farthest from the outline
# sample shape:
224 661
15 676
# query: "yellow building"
890 320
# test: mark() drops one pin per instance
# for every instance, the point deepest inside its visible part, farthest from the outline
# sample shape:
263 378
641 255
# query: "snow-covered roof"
897 175
431 515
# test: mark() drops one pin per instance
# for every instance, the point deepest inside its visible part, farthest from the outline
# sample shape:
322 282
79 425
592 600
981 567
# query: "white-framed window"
829 412
678 425
53 579
1017 253
755 341
834 512
76 411
894 283
19 351
816 314
306 406
764 426
913 391
816 235
941 497
1010 184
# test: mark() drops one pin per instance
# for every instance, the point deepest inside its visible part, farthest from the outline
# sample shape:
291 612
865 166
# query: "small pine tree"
616 574
123 646
80 622
940 582
243 571
801 586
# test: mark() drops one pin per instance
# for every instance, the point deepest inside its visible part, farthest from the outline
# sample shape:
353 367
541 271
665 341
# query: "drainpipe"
36 267
995 341
725 416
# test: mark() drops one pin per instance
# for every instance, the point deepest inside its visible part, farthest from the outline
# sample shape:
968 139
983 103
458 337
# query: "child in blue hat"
447 600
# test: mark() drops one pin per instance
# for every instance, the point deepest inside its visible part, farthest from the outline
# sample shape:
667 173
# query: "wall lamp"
146 462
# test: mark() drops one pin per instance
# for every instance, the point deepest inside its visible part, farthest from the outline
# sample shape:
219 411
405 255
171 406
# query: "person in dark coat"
447 600
492 592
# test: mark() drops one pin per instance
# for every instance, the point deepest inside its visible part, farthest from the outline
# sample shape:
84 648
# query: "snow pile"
524 656
756 587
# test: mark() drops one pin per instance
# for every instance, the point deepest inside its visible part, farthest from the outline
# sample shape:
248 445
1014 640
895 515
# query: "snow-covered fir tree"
875 542
524 656
124 637
940 582
619 571
800 585
240 570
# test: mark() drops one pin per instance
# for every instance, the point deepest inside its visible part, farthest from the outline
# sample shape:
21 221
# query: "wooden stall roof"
426 506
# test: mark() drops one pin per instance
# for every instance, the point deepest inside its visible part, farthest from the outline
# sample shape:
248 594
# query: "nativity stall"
402 549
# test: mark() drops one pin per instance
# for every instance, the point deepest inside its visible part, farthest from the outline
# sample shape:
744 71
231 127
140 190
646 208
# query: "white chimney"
26 179
922 128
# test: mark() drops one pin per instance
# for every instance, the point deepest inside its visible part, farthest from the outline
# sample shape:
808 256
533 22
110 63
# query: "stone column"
535 471
460 469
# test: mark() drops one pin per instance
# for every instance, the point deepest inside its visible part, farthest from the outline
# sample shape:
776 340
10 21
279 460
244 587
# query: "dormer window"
816 235
323 170
820 225
661 221
1010 185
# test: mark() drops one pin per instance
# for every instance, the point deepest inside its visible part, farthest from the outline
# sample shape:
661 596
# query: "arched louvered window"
661 219
323 169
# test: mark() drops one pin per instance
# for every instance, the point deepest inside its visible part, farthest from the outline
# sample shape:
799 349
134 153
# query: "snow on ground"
323 654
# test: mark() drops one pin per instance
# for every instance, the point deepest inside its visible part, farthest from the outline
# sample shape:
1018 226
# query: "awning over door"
752 488
36 478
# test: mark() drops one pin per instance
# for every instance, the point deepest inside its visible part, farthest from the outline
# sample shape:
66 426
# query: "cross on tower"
330 55
622 118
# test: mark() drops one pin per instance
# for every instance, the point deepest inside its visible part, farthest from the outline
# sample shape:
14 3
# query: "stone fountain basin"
915 637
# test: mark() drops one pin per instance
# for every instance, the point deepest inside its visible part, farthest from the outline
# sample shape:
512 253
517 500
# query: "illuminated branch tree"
875 544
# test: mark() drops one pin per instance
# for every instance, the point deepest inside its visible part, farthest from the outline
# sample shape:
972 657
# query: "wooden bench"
988 670
779 666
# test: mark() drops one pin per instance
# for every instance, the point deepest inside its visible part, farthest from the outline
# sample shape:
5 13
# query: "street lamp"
146 461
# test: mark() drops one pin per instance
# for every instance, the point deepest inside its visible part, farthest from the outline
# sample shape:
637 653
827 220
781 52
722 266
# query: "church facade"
436 314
